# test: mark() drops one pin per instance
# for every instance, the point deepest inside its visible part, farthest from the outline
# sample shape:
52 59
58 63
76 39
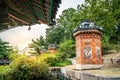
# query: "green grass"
3 69
61 64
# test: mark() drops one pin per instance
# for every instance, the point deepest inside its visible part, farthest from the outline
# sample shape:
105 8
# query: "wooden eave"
25 12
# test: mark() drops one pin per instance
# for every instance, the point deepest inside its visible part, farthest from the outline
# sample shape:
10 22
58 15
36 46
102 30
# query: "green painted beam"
18 15
29 11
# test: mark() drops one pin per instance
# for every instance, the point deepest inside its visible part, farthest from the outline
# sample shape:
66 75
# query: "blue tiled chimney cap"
52 46
88 25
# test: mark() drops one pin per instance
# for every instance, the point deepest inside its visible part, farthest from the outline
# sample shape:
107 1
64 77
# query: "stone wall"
79 75
107 62
111 62
68 74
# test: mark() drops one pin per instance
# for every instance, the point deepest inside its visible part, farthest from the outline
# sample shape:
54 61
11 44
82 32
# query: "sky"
21 36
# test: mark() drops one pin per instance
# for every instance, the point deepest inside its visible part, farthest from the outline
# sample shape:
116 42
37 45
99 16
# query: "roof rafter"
27 12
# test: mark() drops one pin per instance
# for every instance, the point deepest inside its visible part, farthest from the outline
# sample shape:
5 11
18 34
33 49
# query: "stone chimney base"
87 66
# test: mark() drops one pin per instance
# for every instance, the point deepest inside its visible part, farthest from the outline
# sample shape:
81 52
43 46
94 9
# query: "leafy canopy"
5 49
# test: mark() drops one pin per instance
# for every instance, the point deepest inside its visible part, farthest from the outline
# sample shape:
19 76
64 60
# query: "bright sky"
21 36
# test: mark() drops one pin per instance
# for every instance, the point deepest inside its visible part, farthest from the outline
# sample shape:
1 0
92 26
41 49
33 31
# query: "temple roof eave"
38 11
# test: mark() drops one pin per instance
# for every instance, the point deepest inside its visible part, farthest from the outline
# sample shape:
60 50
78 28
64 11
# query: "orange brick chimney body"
88 43
52 48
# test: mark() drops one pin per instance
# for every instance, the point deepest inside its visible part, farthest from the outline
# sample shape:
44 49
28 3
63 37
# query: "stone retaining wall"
68 74
79 75
111 62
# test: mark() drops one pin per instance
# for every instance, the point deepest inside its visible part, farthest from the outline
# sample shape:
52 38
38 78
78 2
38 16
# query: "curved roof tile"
88 25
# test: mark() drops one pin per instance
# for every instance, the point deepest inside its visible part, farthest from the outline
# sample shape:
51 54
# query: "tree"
67 22
37 45
67 48
5 50
54 35
115 8
104 13
64 28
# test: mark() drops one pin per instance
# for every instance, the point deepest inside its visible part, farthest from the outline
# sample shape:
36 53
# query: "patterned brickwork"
88 47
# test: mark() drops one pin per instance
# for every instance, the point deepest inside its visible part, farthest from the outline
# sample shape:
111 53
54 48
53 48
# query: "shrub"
117 46
106 48
50 59
13 56
4 69
24 68
53 59
110 48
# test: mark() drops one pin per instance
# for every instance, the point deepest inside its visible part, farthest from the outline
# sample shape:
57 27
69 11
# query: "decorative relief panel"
87 52
98 53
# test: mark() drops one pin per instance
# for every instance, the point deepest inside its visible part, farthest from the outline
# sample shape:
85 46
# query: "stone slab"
87 66
111 62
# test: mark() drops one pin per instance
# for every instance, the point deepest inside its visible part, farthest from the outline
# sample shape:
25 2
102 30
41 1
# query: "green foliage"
53 59
4 70
64 28
106 48
63 63
117 47
67 22
14 54
67 48
5 50
24 68
104 13
37 45
49 58
54 35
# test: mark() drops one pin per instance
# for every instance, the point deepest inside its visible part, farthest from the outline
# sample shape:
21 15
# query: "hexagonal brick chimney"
52 48
88 45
